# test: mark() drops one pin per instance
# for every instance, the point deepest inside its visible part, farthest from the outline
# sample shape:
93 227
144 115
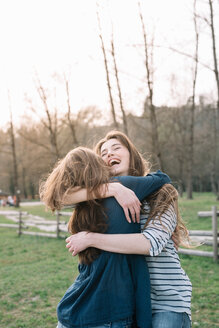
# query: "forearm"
124 196
78 195
75 196
120 243
144 186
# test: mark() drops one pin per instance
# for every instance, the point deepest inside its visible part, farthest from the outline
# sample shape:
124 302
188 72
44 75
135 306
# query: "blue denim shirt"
114 286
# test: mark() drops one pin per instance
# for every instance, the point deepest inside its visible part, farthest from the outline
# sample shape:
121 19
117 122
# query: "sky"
49 38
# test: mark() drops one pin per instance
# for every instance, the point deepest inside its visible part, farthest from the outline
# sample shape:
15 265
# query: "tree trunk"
125 124
24 182
191 125
215 186
70 122
14 159
153 118
107 74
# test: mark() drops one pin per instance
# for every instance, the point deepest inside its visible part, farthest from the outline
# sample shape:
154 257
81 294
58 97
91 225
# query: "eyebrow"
113 145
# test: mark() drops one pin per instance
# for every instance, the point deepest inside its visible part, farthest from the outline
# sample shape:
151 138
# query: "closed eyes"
113 148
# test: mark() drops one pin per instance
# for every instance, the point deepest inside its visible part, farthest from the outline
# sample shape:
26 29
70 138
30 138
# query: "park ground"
36 271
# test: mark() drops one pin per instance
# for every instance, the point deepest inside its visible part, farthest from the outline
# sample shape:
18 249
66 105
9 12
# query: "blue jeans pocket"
170 320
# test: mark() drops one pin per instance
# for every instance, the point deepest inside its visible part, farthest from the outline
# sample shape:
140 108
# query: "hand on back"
77 242
128 201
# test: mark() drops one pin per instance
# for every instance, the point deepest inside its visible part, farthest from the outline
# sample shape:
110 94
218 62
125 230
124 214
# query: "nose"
110 152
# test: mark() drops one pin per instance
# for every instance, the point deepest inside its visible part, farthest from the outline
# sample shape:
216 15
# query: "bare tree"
49 122
125 124
214 173
71 123
209 20
180 153
107 74
14 157
214 49
150 98
33 137
190 159
213 166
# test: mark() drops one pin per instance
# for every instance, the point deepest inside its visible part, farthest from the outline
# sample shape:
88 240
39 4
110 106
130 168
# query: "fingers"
69 245
130 204
132 212
74 253
126 211
135 212
71 249
134 209
77 242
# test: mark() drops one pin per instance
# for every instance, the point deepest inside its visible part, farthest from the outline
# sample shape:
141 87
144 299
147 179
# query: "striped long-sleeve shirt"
170 286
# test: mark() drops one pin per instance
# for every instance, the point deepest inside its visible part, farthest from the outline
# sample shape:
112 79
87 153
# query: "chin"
114 172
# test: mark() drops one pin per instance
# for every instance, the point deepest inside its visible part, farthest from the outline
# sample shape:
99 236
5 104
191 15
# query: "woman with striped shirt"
170 286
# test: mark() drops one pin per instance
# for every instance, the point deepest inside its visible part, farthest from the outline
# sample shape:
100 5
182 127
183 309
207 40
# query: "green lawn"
190 208
36 271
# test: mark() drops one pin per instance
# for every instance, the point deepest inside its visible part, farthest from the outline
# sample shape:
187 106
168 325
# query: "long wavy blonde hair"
81 167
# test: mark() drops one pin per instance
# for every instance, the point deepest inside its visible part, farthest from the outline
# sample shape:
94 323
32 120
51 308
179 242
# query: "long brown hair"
138 166
81 167
162 200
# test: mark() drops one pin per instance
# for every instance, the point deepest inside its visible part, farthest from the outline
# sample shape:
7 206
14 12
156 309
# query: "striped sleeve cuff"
155 249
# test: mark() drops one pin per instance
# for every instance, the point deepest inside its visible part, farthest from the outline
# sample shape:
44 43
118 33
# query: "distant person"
10 201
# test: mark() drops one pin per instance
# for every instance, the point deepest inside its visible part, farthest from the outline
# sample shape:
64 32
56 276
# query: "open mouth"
114 162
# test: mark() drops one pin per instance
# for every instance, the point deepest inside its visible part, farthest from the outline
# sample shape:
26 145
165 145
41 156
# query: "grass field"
36 271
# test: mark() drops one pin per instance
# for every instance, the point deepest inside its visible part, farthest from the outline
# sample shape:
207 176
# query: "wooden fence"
22 225
213 241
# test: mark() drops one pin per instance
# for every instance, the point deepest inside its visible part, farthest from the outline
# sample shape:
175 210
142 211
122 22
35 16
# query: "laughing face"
117 156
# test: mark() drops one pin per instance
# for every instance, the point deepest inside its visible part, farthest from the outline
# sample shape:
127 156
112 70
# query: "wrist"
113 189
91 239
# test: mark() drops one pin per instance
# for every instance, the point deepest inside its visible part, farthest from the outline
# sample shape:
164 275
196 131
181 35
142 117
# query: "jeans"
170 320
124 323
